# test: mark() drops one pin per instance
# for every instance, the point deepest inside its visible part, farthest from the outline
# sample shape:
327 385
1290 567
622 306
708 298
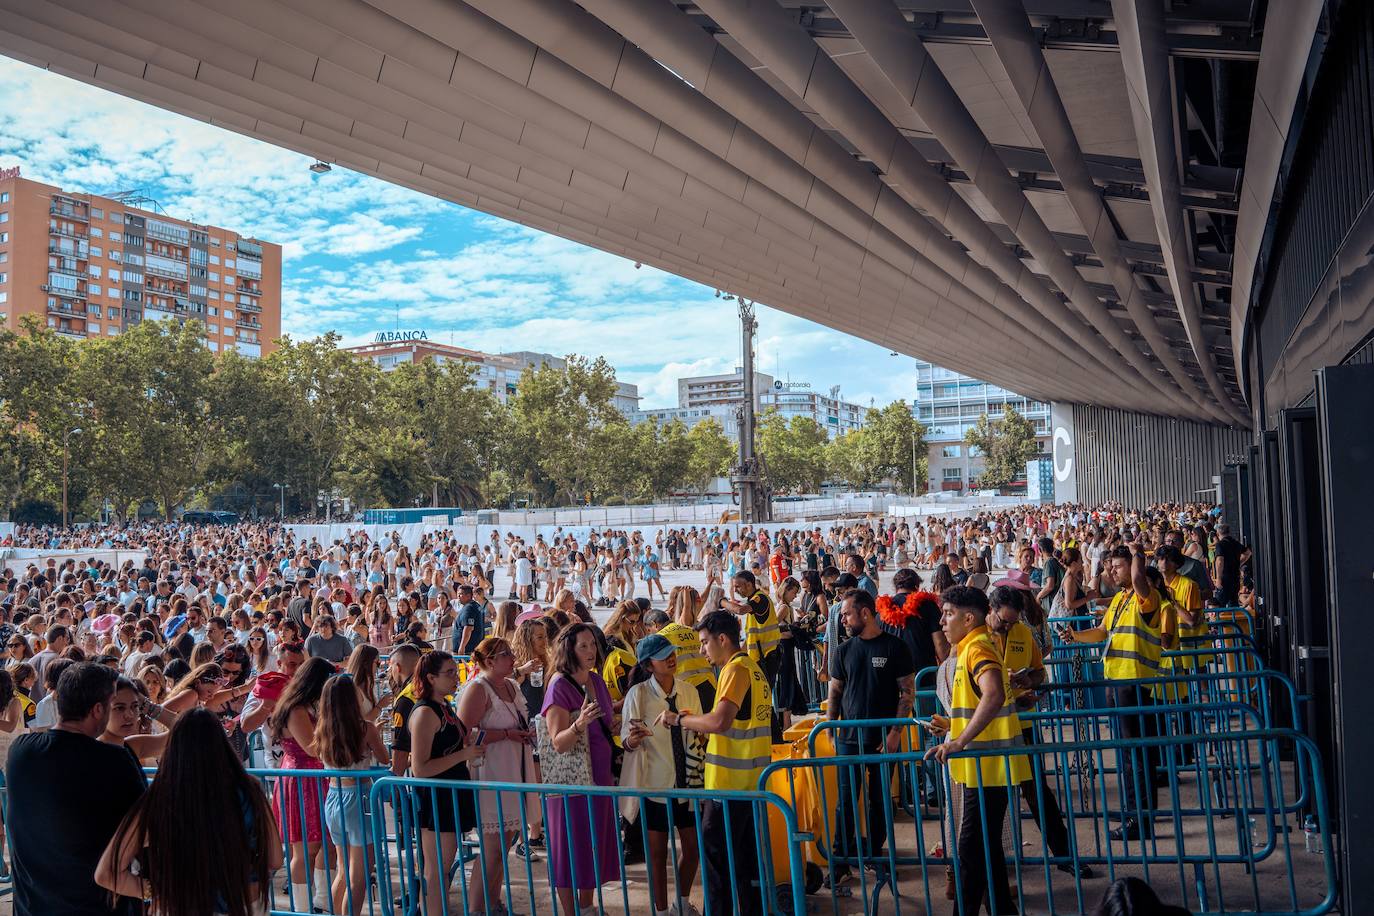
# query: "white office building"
831 413
949 404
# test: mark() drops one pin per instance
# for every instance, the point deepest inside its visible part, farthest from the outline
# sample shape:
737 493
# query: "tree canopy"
1006 444
153 416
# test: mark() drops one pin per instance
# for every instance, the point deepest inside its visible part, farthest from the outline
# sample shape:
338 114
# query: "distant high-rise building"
949 404
797 399
93 266
719 390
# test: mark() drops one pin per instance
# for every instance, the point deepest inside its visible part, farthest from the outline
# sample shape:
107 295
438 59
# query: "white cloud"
357 248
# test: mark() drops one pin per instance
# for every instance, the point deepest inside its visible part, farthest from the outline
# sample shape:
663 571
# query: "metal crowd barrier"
752 836
395 859
1210 852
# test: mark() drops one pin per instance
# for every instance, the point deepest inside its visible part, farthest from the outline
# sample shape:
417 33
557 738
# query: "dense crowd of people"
529 660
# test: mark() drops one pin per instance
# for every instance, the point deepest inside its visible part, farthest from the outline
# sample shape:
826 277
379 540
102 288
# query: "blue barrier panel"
1211 854
749 840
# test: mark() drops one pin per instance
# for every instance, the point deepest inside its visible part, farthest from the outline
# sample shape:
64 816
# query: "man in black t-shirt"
68 794
872 678
1227 567
471 626
299 608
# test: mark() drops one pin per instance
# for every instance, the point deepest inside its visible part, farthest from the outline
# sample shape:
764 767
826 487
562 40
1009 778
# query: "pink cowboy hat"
1016 579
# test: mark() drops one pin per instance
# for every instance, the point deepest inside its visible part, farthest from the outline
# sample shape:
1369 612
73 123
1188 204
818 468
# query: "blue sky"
356 248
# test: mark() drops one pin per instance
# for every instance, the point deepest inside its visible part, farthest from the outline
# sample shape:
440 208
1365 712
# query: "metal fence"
440 847
888 826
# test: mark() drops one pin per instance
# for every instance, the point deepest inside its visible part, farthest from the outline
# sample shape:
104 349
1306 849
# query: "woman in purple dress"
581 829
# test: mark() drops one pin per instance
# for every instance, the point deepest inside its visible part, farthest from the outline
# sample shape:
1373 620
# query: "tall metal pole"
65 434
913 458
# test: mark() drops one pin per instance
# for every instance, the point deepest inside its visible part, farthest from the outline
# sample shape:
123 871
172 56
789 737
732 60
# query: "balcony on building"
70 211
162 272
254 307
67 308
78 293
248 288
157 232
245 321
74 234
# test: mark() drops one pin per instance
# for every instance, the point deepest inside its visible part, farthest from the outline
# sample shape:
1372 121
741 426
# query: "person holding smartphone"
661 756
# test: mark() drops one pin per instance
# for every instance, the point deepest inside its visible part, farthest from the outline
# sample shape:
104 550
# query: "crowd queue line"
334 658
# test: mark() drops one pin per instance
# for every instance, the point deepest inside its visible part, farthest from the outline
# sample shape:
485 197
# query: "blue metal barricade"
749 840
1208 852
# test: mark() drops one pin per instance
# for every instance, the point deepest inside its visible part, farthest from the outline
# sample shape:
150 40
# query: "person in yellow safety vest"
738 747
1192 622
982 716
762 630
1131 631
1025 666
684 606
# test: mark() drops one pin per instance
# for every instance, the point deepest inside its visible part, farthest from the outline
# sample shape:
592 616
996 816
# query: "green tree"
36 400
793 452
672 459
712 454
1006 443
149 423
853 458
456 425
560 417
322 397
894 435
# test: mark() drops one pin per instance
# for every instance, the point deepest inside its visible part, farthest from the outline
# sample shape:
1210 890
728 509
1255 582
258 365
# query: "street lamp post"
282 488
913 462
66 437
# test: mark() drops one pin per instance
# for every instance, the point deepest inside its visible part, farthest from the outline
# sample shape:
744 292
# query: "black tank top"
448 738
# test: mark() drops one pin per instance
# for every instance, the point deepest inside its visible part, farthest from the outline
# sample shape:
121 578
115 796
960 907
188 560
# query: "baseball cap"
654 648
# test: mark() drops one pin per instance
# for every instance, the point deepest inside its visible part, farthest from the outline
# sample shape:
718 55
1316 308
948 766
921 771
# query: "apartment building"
91 266
797 399
719 390
949 404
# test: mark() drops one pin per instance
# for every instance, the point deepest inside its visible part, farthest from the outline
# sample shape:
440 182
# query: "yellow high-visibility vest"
1190 637
1133 642
1004 731
1018 651
735 758
761 638
692 666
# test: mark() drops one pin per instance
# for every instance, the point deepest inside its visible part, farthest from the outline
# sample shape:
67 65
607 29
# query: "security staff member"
1131 630
762 631
981 716
1025 667
738 747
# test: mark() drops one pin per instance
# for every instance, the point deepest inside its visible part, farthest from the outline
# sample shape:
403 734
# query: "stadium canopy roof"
1044 194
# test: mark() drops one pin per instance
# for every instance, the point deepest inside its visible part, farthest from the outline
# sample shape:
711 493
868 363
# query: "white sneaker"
685 908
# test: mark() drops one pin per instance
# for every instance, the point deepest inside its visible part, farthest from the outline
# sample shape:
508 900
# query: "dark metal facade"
1139 459
1314 304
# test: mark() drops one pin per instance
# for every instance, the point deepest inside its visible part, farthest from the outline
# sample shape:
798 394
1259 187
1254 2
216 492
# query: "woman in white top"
652 762
492 703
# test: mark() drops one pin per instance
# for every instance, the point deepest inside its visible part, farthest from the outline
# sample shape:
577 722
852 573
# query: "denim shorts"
345 818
